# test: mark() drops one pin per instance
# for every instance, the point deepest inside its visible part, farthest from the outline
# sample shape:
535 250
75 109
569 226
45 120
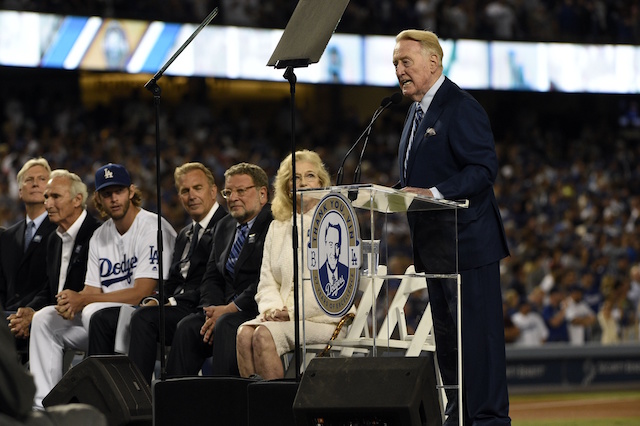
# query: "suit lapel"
82 238
428 121
205 239
20 234
254 232
56 253
229 238
37 238
181 242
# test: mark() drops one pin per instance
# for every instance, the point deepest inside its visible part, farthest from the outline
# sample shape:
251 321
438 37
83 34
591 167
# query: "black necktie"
195 232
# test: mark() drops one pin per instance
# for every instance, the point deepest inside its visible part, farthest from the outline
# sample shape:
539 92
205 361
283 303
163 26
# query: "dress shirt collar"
428 97
205 221
38 220
73 230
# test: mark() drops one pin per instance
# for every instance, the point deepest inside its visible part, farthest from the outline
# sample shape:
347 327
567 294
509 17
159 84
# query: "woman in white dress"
262 341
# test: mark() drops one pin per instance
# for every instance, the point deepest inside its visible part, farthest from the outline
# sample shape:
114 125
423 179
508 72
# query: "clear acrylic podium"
397 320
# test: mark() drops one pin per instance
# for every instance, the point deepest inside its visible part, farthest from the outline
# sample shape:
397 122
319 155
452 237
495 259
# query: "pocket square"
430 132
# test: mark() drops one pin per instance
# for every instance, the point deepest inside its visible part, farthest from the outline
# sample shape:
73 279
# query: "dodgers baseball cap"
111 175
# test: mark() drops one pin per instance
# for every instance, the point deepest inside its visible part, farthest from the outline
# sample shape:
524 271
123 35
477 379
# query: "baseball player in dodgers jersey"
122 269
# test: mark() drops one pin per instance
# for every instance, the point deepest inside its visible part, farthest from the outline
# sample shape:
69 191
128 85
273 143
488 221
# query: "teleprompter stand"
152 86
304 39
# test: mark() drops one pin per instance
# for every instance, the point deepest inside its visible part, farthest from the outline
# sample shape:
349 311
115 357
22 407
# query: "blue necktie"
28 234
417 118
241 236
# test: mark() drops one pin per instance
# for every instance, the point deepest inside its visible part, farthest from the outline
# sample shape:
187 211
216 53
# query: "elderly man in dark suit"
24 247
230 282
447 151
67 248
198 194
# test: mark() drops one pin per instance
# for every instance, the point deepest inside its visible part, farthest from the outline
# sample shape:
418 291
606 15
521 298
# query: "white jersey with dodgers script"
116 261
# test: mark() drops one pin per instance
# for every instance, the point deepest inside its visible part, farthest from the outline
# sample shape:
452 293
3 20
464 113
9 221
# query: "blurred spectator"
609 320
533 332
536 298
634 287
554 315
627 310
579 315
501 20
512 301
511 332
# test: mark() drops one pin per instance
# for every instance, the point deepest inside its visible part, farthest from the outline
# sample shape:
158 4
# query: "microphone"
386 102
396 98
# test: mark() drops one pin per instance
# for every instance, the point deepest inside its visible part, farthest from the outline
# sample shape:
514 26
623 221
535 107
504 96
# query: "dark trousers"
145 334
188 351
485 396
102 331
225 360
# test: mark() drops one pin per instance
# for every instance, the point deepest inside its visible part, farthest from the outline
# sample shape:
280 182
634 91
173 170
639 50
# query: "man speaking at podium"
447 152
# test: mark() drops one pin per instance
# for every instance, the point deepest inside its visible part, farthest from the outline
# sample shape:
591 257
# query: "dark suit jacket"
187 290
218 287
23 274
77 268
343 272
461 162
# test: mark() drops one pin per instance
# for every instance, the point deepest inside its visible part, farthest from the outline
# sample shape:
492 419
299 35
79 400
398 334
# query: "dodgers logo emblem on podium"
334 254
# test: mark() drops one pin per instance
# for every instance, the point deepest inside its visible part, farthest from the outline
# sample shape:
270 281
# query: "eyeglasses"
226 193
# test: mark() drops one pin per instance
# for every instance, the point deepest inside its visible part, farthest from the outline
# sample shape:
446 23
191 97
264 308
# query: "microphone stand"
386 103
152 86
356 175
340 174
290 76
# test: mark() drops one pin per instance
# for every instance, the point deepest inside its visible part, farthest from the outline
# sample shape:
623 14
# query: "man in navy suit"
24 246
450 154
333 274
65 199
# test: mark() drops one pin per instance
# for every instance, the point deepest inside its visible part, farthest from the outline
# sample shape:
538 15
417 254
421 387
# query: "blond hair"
427 39
32 163
282 206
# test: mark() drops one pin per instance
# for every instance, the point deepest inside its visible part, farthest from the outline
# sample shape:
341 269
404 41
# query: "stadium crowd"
583 21
569 188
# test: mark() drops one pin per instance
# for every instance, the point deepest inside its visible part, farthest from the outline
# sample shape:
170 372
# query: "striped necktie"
417 118
241 236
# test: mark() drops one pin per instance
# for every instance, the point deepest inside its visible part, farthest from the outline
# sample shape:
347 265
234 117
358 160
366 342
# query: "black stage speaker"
394 391
200 400
112 384
270 402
